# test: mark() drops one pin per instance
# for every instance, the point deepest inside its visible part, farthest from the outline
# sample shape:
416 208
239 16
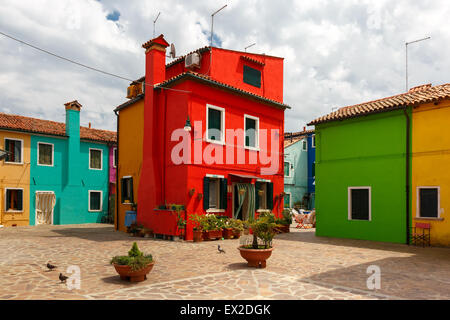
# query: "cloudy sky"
337 53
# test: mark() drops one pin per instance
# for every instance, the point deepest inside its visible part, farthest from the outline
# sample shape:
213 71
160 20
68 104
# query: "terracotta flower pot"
212 235
126 273
198 235
236 234
227 233
255 257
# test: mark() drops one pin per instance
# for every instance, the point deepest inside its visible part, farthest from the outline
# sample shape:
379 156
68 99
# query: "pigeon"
62 277
220 249
51 267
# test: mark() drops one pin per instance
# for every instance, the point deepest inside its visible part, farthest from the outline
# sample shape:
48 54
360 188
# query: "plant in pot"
225 225
181 225
197 221
237 226
135 266
211 227
261 248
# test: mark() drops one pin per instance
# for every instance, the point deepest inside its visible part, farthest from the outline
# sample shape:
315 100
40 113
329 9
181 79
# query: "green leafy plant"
263 228
198 221
135 259
236 224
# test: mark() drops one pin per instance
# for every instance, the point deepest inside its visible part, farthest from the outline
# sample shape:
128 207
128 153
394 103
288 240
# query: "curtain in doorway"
249 191
45 202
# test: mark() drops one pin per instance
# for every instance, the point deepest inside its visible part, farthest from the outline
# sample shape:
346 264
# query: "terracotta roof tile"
253 60
415 96
33 125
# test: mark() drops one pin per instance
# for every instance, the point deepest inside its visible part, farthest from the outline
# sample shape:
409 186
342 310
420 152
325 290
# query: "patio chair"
424 237
301 220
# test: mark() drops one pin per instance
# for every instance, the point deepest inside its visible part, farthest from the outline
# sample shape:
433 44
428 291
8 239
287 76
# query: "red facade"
180 93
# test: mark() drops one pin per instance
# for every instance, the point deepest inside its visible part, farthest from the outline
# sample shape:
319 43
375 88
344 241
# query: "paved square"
302 266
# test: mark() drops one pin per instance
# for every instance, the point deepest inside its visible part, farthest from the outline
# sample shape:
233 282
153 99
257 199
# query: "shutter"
250 136
131 191
429 203
8 197
252 76
206 193
214 123
19 200
223 193
313 169
122 190
257 188
270 195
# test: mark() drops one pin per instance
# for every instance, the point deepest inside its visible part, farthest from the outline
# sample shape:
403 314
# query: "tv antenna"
172 53
154 24
249 47
212 24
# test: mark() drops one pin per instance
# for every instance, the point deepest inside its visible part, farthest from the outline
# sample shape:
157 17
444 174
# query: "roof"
415 96
181 58
206 79
129 102
33 125
290 142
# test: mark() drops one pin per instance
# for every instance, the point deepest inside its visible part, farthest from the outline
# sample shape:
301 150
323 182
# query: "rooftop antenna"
154 23
249 47
212 24
406 46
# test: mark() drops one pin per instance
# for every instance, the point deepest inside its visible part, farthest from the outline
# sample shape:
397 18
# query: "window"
115 157
14 200
45 154
313 140
14 149
287 200
428 205
95 201
95 159
251 132
215 193
359 203
252 76
287 169
215 122
304 145
263 195
313 169
127 190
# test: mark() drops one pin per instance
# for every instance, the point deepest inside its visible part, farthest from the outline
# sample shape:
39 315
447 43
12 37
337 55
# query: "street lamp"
406 46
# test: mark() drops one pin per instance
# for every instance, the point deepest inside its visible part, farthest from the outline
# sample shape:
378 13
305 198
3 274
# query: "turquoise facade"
296 184
70 177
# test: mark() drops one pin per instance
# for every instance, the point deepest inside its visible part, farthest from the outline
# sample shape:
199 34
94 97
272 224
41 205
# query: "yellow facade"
130 143
15 176
431 165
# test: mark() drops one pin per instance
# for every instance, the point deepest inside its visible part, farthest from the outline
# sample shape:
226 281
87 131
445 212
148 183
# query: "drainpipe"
407 156
116 222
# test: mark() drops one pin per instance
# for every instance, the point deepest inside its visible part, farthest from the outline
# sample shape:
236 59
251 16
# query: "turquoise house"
69 176
296 170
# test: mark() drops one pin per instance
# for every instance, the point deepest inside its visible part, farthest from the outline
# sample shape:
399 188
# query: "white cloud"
336 52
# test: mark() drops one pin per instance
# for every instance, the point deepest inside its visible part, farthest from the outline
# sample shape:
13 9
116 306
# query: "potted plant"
263 229
135 266
227 229
237 226
211 227
181 225
197 222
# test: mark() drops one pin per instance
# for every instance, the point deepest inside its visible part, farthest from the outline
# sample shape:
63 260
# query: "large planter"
255 257
198 235
212 235
283 229
236 234
126 273
227 233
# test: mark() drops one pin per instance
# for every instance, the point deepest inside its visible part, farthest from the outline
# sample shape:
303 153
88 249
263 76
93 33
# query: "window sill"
95 211
262 210
222 143
45 165
13 211
95 169
15 163
215 210
252 148
433 219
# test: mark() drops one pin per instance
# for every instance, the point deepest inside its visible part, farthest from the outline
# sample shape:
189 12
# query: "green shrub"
136 259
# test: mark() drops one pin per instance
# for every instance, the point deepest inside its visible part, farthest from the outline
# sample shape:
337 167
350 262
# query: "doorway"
244 201
45 204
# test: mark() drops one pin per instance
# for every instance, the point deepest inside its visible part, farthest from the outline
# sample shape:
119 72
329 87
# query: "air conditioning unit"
192 60
139 88
131 92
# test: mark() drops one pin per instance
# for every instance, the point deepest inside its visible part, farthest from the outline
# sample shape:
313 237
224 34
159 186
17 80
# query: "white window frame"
101 159
349 203
290 170
313 141
21 150
256 147
101 201
290 199
53 154
114 157
123 178
418 216
217 178
23 204
222 124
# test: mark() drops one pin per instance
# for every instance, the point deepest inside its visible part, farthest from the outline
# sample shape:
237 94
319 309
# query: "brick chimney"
73 141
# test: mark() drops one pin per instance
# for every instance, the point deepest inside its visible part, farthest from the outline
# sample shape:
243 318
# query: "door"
244 200
45 203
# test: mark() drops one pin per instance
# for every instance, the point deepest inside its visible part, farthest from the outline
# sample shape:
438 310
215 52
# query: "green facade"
367 151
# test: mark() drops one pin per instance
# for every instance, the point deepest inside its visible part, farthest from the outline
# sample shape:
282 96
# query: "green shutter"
19 200
214 122
257 188
206 193
270 195
223 193
131 191
252 76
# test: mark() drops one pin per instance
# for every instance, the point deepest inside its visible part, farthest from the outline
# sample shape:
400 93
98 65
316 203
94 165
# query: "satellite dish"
173 54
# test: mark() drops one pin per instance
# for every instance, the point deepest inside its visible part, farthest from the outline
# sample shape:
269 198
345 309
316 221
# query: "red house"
213 134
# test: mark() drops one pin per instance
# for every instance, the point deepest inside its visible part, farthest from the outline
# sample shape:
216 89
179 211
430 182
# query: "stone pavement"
302 266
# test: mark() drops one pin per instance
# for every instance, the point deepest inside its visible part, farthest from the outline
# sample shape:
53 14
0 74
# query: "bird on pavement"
220 249
62 277
51 267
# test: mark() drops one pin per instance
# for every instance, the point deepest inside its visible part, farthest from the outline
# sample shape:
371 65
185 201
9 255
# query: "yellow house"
130 123
15 179
430 192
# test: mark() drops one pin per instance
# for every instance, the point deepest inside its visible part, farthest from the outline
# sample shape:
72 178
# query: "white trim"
114 157
256 147
101 159
215 176
290 171
418 202
213 210
304 143
290 199
127 177
132 186
264 180
349 203
21 150
13 211
53 154
101 201
313 141
35 209
222 124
